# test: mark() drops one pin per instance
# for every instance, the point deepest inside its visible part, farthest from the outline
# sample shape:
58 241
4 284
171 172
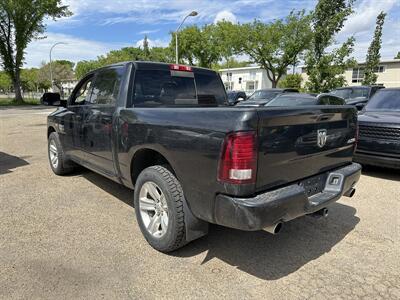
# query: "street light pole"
192 14
51 69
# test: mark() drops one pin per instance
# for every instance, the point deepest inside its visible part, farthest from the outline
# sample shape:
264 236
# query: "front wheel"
159 208
57 160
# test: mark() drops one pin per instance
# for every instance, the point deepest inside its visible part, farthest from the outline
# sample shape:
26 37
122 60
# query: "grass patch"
11 102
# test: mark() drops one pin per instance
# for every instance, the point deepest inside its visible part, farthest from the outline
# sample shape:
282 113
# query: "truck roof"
154 65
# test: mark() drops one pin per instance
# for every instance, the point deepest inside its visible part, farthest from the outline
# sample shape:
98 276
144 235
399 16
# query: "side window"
107 85
80 97
324 100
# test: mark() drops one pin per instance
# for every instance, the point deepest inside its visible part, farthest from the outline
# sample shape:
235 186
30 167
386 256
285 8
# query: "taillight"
175 67
238 163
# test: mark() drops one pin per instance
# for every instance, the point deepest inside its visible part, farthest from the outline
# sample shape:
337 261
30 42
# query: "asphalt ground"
76 237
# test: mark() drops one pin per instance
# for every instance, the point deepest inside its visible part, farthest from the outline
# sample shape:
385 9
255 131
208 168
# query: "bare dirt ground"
76 237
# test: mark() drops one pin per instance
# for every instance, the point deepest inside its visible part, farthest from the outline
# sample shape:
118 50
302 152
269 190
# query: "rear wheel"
159 208
57 160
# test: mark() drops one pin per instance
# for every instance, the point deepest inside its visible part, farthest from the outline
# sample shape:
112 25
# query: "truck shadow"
270 257
9 162
117 190
266 256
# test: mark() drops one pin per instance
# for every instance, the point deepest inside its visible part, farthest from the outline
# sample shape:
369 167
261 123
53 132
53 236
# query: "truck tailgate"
296 143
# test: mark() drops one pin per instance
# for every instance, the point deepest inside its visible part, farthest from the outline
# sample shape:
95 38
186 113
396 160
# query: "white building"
388 73
246 79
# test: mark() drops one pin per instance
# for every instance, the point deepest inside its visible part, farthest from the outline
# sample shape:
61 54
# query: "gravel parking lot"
76 237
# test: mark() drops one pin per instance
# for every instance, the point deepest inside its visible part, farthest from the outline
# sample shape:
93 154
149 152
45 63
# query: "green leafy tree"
397 56
30 80
198 46
373 55
276 45
230 63
225 35
291 81
61 70
146 48
22 21
162 54
325 69
85 66
5 82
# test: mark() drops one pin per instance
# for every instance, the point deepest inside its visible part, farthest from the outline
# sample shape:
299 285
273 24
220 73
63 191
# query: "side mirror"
360 106
52 99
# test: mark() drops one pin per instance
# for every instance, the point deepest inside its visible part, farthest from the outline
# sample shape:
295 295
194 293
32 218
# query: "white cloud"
76 49
365 16
160 11
362 25
153 43
225 15
149 31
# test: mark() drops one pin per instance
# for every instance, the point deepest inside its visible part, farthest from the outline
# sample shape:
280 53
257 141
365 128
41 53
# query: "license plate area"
314 185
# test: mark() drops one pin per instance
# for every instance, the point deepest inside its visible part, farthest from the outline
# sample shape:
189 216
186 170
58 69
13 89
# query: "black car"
235 97
297 99
357 95
167 132
261 97
379 130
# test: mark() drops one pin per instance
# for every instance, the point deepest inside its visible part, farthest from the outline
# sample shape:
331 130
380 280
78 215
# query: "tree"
146 49
62 71
373 55
22 21
30 80
230 63
325 69
225 34
397 56
291 81
276 45
198 46
125 54
85 66
5 82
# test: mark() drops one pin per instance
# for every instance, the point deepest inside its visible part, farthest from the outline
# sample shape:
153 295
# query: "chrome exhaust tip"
274 229
322 213
350 193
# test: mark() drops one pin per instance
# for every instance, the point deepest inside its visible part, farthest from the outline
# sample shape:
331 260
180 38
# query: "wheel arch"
50 130
146 157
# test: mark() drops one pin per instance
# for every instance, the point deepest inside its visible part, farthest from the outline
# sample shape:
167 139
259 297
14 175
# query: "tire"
169 191
59 165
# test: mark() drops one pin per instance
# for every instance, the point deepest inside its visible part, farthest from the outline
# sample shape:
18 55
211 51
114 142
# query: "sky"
98 26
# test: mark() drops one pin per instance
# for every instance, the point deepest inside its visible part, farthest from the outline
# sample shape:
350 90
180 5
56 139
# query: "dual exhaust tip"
322 213
276 228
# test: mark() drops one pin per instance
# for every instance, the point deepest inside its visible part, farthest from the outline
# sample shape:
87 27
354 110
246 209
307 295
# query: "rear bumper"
282 204
375 159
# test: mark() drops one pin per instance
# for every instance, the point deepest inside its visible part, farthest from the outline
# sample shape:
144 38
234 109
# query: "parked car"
379 130
235 97
357 95
297 99
167 132
261 97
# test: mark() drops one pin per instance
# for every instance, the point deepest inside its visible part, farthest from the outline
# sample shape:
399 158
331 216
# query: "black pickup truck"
167 132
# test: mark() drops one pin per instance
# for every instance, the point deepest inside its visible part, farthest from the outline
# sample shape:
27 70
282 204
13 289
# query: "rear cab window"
165 87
